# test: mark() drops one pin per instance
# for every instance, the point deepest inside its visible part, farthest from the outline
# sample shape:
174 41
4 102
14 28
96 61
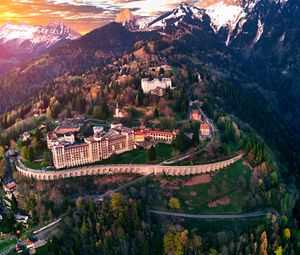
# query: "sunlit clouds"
81 15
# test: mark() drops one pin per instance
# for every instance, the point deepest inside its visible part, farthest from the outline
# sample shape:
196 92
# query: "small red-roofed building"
204 129
160 136
18 249
66 130
195 115
29 245
139 136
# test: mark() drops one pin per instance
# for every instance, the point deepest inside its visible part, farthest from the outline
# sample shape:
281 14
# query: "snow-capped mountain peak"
45 35
20 43
177 15
224 15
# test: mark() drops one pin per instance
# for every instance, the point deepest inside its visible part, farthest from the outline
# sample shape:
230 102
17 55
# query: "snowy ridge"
223 15
35 35
143 23
260 30
177 15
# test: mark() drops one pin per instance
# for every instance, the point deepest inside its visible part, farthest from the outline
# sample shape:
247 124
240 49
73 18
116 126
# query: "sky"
81 15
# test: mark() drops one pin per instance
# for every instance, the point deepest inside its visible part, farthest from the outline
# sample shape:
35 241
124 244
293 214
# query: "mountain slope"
92 50
20 43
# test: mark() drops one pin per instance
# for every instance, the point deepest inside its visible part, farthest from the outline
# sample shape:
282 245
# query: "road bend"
216 216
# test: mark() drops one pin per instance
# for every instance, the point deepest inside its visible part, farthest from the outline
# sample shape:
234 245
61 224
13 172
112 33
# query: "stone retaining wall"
123 169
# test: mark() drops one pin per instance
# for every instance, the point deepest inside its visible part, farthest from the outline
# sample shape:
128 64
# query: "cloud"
81 15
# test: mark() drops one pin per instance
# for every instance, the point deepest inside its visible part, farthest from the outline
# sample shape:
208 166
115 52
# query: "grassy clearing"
6 243
35 165
225 183
44 250
195 198
139 156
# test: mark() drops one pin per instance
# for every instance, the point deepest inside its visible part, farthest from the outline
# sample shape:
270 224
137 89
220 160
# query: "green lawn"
195 199
225 182
34 165
43 250
5 243
163 151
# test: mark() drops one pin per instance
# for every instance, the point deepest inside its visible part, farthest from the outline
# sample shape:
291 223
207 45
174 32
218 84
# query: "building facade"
119 113
149 86
155 135
96 148
204 130
195 115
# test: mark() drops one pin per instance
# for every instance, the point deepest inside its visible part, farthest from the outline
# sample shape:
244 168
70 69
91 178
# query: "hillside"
258 61
21 43
92 50
230 86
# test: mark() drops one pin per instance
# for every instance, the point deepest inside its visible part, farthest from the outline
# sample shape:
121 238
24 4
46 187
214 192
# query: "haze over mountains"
20 43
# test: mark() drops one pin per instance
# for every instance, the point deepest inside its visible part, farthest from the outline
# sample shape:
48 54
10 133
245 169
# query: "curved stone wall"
124 169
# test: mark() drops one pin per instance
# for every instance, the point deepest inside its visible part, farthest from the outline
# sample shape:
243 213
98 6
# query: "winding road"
189 155
216 216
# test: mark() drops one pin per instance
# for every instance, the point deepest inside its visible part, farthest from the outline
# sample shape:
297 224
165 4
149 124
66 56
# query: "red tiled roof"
204 126
62 131
157 132
139 133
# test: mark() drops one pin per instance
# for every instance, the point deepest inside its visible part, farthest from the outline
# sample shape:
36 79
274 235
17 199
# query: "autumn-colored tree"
49 113
286 234
24 152
264 243
1 152
175 243
212 252
115 201
278 251
174 203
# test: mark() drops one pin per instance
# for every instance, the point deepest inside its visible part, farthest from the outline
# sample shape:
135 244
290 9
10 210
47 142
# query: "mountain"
20 43
91 50
257 53
177 15
125 16
209 3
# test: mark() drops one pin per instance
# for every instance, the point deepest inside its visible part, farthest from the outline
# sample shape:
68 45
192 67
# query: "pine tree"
156 113
195 138
30 154
14 203
152 154
49 113
97 112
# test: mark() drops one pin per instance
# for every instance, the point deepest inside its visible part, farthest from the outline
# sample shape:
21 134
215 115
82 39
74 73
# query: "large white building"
149 86
101 145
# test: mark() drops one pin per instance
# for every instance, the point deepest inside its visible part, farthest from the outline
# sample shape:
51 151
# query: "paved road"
44 233
189 155
216 216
